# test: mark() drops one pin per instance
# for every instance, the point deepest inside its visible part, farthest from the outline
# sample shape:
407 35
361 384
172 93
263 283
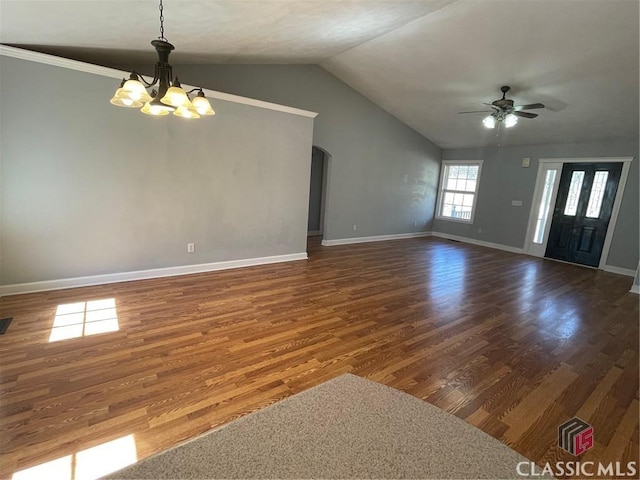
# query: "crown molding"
67 63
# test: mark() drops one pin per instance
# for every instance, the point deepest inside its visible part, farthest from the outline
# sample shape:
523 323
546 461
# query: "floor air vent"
4 324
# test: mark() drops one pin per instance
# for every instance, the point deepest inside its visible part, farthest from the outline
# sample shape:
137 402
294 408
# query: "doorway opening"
317 197
575 208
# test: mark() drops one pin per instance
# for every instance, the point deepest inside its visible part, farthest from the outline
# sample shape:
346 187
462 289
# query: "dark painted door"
583 209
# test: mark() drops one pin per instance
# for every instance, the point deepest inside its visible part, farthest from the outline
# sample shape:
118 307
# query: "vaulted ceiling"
422 60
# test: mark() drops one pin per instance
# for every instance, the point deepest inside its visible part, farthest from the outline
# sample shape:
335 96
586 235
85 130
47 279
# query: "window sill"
456 220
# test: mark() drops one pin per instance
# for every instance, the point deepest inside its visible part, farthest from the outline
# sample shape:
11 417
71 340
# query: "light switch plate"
526 161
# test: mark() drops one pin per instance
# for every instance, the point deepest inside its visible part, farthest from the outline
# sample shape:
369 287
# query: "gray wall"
315 190
504 179
382 175
89 188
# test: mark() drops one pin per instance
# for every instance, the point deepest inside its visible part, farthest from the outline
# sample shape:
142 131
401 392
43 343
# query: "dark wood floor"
514 345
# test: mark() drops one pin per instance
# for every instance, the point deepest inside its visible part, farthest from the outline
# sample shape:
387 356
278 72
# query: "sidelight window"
545 202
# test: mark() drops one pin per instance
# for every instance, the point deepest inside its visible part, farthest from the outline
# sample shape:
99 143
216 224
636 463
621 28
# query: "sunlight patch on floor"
86 464
80 319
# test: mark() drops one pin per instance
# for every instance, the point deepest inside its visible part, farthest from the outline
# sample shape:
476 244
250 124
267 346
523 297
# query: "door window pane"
543 211
571 207
597 194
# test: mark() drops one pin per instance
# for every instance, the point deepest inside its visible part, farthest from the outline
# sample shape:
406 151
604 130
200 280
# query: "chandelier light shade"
156 109
121 99
135 91
167 95
201 104
186 111
175 96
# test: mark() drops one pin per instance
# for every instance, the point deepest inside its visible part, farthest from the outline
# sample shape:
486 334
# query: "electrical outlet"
355 227
415 224
191 247
479 230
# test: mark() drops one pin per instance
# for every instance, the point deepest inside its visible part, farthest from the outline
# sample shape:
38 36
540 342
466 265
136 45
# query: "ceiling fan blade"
478 111
526 114
529 107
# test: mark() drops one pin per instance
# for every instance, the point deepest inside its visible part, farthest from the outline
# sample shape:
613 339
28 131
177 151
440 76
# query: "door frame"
543 164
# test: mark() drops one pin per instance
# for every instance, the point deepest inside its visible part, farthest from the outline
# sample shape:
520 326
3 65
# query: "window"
545 202
458 190
571 207
597 194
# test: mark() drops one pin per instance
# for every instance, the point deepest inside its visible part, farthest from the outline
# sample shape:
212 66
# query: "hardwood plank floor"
514 345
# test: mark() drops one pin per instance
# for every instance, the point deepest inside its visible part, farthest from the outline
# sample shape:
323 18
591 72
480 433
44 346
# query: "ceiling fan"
503 110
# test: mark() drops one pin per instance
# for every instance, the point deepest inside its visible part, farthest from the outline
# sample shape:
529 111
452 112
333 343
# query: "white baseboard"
497 246
635 289
619 270
47 285
607 268
377 238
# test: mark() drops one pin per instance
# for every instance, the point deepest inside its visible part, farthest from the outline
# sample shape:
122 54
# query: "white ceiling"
421 60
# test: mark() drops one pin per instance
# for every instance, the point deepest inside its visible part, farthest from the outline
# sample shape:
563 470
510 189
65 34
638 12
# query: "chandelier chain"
161 37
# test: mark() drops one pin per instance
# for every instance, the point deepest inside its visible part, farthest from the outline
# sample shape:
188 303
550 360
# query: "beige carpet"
348 427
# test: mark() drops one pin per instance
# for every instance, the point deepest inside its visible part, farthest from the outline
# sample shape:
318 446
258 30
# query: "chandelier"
168 96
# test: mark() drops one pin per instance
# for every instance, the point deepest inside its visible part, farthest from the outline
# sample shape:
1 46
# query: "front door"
582 212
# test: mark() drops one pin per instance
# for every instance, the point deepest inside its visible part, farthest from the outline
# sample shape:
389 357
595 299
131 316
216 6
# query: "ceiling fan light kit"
169 97
489 121
504 112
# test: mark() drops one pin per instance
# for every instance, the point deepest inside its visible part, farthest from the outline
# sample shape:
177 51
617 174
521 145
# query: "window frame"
446 164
